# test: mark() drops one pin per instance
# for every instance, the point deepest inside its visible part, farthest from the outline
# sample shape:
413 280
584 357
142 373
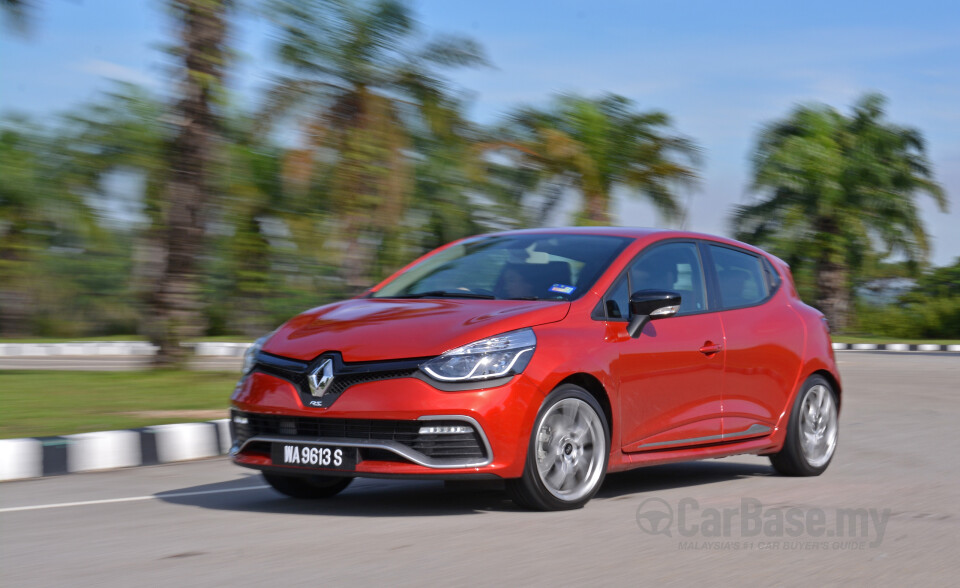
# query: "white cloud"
115 71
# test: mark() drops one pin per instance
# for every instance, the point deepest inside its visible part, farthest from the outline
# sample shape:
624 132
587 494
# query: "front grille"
345 375
340 384
407 433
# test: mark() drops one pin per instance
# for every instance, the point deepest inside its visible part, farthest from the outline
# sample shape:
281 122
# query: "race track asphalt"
209 523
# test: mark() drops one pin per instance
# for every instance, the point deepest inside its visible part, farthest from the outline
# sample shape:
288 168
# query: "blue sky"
720 69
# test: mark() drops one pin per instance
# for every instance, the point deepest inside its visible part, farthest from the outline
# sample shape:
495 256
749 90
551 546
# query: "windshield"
510 267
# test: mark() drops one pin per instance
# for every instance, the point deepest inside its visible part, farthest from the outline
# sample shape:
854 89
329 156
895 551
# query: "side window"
675 267
741 277
617 301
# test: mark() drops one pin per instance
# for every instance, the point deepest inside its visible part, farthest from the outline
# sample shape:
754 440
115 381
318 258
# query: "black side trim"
268 360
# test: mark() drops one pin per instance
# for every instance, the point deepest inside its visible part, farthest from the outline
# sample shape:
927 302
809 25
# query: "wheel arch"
834 383
592 385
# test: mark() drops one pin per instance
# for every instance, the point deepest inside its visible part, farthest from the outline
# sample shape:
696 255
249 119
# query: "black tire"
530 491
793 459
309 487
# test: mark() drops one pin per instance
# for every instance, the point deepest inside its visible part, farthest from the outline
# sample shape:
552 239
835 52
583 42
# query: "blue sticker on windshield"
562 289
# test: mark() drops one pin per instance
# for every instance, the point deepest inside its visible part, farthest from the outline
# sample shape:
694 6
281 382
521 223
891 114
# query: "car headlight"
493 357
250 355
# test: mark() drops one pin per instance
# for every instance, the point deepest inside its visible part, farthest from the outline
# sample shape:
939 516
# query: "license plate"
327 457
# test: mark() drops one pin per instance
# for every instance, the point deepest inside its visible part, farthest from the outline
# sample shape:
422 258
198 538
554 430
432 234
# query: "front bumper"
384 420
386 440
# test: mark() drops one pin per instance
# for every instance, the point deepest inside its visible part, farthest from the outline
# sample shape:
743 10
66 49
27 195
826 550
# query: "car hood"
371 329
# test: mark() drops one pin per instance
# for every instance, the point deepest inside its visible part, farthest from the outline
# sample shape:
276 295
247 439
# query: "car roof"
648 234
642 236
633 232
630 232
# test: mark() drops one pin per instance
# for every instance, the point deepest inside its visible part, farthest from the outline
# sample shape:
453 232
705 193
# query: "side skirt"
625 461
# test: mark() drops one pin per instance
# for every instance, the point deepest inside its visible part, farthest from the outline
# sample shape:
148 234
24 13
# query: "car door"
764 337
671 376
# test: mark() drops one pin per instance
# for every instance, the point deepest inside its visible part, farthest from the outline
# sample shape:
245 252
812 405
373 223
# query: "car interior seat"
540 276
732 282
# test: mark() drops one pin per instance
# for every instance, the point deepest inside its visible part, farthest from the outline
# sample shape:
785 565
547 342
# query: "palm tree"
127 130
358 86
175 304
594 145
833 189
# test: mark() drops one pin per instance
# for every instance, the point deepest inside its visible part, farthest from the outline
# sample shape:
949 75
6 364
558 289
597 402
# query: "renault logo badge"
320 378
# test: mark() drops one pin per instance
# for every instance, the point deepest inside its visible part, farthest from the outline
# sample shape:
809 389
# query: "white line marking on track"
130 499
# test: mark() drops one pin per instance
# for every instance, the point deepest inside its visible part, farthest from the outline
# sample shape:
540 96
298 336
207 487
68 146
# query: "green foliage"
122 131
365 88
928 318
930 310
941 282
596 144
45 226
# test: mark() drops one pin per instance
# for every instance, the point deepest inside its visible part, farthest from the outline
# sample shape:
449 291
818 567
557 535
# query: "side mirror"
648 305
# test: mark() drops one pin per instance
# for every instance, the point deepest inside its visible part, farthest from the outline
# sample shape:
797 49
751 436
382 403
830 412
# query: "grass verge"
39 403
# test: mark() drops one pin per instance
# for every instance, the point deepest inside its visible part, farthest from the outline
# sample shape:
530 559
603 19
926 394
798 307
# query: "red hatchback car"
546 358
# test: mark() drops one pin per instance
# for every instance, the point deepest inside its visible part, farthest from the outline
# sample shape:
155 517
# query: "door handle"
711 348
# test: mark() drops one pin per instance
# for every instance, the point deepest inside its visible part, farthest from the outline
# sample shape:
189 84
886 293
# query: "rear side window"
742 277
773 278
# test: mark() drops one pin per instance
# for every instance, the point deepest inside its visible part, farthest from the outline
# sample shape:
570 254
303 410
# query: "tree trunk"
177 303
596 208
554 194
371 185
832 276
15 311
833 296
15 299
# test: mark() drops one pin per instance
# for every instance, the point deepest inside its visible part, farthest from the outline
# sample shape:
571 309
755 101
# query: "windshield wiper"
445 294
